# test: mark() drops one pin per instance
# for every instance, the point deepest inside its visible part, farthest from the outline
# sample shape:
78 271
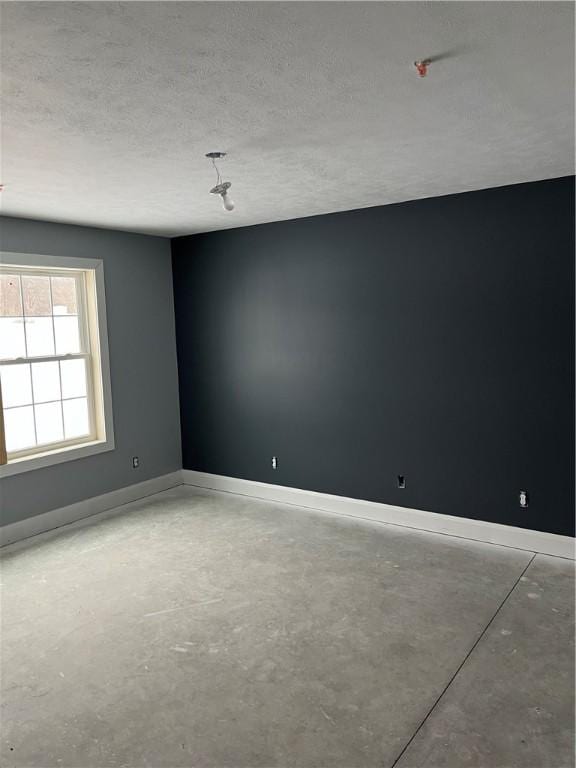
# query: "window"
54 373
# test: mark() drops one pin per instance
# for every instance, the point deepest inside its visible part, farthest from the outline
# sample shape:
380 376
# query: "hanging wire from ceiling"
221 187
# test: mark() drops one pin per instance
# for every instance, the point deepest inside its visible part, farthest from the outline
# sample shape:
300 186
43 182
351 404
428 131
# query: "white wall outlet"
523 498
135 462
274 462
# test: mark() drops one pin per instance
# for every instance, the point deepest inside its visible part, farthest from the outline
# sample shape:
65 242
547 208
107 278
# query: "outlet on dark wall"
436 336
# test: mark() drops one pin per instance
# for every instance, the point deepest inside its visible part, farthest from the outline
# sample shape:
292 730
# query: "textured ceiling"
110 107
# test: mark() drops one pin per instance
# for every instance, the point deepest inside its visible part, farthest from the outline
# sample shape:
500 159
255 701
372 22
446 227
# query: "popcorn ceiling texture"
110 107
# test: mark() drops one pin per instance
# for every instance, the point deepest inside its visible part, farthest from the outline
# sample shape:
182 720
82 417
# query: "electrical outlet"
401 481
523 499
135 462
274 462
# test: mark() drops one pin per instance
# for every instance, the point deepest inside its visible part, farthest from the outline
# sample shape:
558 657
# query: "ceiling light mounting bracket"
221 189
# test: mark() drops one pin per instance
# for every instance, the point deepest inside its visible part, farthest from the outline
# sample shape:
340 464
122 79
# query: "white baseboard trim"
56 518
477 530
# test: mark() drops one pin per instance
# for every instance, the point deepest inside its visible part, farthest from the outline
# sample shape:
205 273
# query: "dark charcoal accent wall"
432 339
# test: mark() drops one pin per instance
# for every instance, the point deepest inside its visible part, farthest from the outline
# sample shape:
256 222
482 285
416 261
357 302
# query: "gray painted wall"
139 302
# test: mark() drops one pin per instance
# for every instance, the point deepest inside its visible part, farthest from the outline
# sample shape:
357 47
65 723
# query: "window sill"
58 456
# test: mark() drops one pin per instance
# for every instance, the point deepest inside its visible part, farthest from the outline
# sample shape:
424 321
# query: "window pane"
46 382
48 423
64 295
73 378
76 423
10 299
67 335
19 426
39 336
36 292
16 387
11 338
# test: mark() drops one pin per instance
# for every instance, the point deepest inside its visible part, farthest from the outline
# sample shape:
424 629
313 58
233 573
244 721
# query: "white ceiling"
110 107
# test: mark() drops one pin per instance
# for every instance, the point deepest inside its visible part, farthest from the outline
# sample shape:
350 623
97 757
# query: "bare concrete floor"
195 629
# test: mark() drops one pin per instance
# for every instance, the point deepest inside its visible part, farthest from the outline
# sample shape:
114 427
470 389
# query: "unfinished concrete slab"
512 704
200 629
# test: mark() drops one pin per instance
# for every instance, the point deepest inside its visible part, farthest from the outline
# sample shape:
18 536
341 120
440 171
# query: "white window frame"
92 305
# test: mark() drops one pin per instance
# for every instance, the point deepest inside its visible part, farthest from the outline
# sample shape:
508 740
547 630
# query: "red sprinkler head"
422 66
